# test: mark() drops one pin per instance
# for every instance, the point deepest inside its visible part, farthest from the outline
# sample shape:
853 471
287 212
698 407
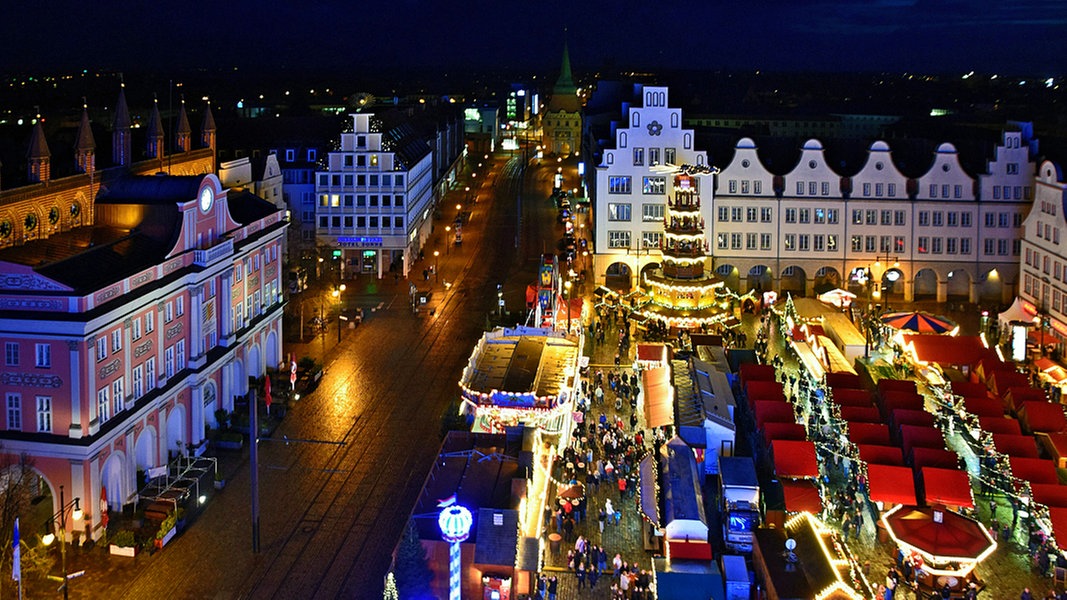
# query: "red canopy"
868 433
896 385
861 414
847 397
783 431
770 411
950 487
1015 445
917 436
983 406
901 400
652 353
969 388
1058 516
891 485
934 457
1040 416
689 549
801 496
1005 379
1050 494
999 425
844 381
753 372
955 538
1034 470
763 390
795 459
881 455
906 416
1017 395
658 397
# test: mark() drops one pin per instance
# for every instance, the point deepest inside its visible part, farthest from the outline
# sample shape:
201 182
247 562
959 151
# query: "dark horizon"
897 36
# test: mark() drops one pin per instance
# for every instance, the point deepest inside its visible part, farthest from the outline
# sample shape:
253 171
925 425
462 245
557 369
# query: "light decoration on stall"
655 487
455 522
840 586
967 564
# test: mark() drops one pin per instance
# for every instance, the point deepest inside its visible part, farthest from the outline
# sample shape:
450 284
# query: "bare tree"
17 486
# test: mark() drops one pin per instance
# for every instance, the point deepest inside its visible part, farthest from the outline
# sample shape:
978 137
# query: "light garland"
821 532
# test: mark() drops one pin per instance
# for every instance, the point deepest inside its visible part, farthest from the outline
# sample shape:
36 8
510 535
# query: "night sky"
1027 37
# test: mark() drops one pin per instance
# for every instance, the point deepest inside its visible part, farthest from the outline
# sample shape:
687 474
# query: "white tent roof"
1016 313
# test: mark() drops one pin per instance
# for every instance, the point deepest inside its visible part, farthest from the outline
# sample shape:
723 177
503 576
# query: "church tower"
154 144
39 156
85 148
121 144
207 134
561 124
184 132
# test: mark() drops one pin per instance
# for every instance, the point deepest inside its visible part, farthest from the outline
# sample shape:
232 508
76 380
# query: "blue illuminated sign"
359 241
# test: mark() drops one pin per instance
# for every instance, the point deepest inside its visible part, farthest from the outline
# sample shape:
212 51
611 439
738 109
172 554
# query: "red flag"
103 507
266 391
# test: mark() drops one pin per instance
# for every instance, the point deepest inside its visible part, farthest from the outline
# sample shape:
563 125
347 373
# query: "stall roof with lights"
891 485
794 459
815 573
950 487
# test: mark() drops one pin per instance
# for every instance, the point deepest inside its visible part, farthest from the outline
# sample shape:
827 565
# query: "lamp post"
455 522
568 285
48 538
448 239
336 293
436 270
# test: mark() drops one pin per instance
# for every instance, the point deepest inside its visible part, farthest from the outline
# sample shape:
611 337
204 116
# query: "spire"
565 77
209 120
184 132
155 132
85 149
40 157
207 132
121 147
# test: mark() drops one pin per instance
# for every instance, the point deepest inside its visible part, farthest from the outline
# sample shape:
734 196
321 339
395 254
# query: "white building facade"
634 182
375 199
1044 253
943 235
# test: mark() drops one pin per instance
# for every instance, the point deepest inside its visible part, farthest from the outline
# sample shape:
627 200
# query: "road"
332 513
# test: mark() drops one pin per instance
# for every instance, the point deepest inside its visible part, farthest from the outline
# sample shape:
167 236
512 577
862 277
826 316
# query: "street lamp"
448 240
436 271
568 285
336 293
48 538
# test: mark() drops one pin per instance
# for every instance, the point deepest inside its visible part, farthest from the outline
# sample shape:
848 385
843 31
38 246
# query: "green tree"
453 420
413 574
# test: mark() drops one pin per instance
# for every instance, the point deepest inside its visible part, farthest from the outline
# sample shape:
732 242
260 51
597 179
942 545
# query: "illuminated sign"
358 241
1029 307
1059 327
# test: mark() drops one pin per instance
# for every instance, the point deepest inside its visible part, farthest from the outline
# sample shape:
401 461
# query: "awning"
896 385
917 436
764 390
881 455
868 433
658 397
850 397
919 322
795 459
1050 494
783 431
891 485
934 457
1022 446
861 414
750 372
1015 396
689 550
649 503
770 411
1020 311
1034 470
901 401
1042 417
964 350
941 539
801 496
969 389
849 381
652 353
950 487
1058 517
907 416
983 406
999 425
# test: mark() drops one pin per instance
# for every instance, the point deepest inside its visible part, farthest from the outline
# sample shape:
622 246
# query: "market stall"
950 544
889 485
950 487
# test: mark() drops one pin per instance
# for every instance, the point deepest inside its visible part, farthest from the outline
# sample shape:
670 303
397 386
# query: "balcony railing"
203 258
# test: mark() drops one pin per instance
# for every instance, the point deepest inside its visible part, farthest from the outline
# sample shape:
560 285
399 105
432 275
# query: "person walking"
579 572
609 511
602 517
553 586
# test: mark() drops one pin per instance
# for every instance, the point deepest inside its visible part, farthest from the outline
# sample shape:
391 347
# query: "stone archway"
113 479
272 350
959 286
730 276
826 279
211 403
176 438
146 449
618 277
991 287
760 279
926 284
255 369
793 281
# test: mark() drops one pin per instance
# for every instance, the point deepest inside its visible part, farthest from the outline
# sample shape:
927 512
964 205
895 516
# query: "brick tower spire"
154 144
121 145
85 149
184 132
39 156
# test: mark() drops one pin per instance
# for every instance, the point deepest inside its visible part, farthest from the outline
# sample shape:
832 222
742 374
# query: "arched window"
609 158
674 120
622 139
687 141
635 119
